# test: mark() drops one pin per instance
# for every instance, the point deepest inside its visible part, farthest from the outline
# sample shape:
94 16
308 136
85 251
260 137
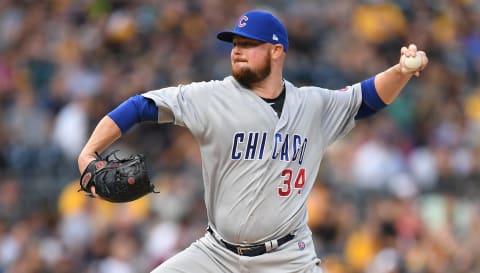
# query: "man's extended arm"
390 82
382 89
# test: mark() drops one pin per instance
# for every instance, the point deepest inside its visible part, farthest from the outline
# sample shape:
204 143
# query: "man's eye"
246 44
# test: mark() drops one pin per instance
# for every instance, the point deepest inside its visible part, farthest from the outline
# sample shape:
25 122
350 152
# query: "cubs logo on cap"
242 21
258 25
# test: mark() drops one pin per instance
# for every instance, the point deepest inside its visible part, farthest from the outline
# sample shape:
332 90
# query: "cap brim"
227 36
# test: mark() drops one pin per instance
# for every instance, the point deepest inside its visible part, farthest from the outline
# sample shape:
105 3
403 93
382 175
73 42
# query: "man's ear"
277 51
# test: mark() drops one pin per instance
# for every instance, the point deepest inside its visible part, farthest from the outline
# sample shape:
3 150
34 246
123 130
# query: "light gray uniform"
258 169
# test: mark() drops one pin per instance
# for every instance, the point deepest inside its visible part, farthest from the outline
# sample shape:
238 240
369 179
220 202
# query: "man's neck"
269 88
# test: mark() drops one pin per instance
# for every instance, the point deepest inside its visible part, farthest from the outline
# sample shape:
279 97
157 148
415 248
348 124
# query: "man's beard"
247 77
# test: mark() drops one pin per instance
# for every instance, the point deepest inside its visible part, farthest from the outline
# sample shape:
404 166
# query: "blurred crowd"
398 194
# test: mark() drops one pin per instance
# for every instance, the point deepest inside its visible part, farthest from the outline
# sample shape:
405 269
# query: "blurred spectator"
71 127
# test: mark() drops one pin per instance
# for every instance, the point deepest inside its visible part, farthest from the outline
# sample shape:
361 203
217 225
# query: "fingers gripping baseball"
412 60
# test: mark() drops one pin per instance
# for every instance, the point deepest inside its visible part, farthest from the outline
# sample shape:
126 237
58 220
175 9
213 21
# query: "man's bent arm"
132 111
390 82
104 135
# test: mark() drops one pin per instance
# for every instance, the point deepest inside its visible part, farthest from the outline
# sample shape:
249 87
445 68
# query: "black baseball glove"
117 179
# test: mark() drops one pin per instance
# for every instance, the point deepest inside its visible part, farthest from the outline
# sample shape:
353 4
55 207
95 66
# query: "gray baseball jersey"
258 168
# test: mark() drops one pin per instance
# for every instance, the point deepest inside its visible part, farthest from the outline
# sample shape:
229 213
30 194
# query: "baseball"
412 63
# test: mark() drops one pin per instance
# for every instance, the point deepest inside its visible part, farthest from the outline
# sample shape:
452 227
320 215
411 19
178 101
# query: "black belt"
253 250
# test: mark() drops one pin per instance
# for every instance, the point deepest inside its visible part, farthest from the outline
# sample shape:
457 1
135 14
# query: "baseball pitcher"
261 140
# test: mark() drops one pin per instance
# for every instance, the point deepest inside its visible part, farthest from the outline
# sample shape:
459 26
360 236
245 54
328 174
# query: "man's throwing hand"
412 60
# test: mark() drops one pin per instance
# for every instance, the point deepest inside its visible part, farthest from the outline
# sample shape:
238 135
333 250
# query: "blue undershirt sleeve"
371 102
134 110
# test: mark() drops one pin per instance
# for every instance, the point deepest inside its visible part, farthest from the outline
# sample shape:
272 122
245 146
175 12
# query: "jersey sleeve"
339 111
182 105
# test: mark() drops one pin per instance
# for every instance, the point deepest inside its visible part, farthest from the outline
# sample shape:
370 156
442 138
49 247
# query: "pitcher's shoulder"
211 85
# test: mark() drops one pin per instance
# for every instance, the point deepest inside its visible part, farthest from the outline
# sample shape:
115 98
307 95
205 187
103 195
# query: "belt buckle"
241 249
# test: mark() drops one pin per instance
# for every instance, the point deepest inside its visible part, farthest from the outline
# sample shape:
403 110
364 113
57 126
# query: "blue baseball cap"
258 25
